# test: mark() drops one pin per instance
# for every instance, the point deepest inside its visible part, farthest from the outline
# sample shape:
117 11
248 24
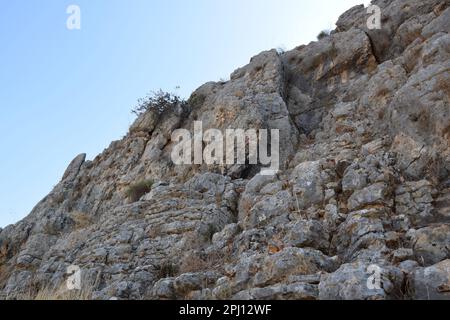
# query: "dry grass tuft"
323 34
137 190
81 219
58 294
167 270
199 262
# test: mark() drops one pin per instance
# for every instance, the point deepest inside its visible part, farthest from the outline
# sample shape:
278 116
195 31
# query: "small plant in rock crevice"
137 190
159 101
167 270
323 34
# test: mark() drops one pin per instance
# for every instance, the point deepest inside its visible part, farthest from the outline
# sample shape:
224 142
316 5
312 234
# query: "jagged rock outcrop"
364 119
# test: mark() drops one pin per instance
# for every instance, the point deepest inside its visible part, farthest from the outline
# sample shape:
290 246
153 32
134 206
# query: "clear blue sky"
67 92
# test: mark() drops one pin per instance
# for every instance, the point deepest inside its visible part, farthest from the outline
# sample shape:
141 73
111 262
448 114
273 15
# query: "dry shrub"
159 102
196 100
167 269
84 294
239 94
210 231
442 84
58 294
223 116
341 129
58 198
192 263
81 219
246 206
253 74
323 34
383 91
446 132
155 231
4 274
137 190
214 261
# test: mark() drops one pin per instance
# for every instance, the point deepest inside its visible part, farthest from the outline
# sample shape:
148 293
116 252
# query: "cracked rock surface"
364 119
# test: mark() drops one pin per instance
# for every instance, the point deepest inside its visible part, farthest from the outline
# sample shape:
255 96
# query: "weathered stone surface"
431 283
361 230
354 179
374 194
415 200
74 167
432 244
308 184
294 291
364 181
291 261
350 282
307 233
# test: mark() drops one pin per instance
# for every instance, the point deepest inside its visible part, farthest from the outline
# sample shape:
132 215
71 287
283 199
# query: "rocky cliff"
364 188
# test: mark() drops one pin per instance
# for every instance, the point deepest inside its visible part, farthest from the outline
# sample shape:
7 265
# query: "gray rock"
306 233
74 167
364 141
362 229
402 254
350 282
375 194
432 283
163 289
292 261
294 291
354 179
189 282
440 24
415 200
308 184
432 244
408 266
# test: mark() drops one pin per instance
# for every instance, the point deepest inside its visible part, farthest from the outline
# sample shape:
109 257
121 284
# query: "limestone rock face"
431 283
363 189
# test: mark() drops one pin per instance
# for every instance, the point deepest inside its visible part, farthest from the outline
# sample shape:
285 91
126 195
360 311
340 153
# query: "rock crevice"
364 181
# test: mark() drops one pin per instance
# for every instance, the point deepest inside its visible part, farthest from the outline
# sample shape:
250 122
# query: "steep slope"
364 119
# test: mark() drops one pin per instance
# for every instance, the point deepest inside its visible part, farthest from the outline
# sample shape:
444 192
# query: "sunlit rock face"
363 189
